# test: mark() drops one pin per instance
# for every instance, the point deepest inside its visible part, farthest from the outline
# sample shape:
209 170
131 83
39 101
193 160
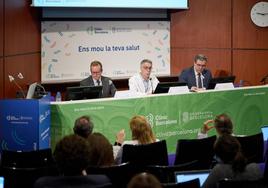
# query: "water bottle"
241 83
58 96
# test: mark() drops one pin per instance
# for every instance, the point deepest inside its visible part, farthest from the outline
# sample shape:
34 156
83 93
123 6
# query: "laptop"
163 87
1 182
183 176
214 81
264 130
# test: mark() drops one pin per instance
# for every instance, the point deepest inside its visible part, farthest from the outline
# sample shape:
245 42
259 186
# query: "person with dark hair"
83 126
143 82
196 77
144 180
222 123
96 79
232 163
101 150
72 155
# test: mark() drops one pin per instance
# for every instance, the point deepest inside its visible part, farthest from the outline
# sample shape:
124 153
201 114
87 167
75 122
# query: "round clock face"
259 14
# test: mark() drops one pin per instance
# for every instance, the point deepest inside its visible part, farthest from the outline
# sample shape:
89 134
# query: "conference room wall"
21 44
22 28
1 78
204 28
246 35
250 65
1 49
1 28
221 29
211 26
28 65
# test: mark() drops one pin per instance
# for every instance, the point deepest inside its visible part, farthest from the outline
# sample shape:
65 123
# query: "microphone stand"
20 88
263 80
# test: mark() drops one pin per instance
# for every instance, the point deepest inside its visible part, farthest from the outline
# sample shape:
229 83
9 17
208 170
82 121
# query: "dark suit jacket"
108 88
188 76
89 181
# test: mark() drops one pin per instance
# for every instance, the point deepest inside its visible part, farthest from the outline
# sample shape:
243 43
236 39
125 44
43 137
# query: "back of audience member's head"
223 124
83 126
72 154
144 180
141 130
228 149
101 150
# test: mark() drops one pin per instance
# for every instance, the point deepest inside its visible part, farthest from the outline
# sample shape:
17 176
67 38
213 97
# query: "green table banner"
172 117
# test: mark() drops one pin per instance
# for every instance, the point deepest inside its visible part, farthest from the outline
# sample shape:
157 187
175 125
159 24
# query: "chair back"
37 158
252 147
119 175
260 183
22 169
90 181
166 174
146 154
195 149
188 184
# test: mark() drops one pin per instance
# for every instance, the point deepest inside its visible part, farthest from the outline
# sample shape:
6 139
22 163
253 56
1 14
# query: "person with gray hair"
83 126
196 77
143 82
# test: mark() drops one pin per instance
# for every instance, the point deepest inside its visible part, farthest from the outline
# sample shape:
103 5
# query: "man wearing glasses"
196 77
96 79
143 82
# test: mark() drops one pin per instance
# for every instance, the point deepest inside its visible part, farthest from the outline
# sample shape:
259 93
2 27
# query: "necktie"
98 82
146 85
199 81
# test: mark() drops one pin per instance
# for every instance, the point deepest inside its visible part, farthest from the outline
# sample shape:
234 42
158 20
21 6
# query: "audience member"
232 164
96 79
196 77
101 150
222 123
141 134
83 126
72 155
143 82
144 180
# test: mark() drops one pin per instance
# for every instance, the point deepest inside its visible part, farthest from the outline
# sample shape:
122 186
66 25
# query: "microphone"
20 76
44 91
12 79
264 78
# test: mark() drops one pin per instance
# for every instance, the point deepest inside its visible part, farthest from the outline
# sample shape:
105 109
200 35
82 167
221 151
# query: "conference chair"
252 147
188 184
119 175
146 154
90 181
195 149
260 183
166 174
22 169
265 173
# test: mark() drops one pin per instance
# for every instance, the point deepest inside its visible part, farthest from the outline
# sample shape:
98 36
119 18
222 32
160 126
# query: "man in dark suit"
96 79
196 77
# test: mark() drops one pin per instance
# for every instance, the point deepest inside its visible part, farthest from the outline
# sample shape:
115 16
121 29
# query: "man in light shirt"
196 77
143 82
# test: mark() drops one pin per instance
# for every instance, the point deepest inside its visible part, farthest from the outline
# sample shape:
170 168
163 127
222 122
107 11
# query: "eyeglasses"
147 68
96 72
200 65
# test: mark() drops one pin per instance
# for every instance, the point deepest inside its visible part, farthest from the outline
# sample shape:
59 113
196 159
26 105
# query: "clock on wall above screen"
259 14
